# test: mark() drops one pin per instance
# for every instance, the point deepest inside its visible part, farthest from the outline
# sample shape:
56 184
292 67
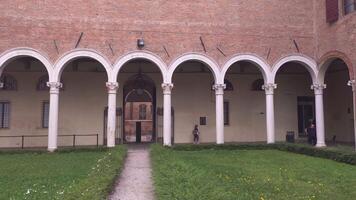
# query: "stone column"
111 123
319 114
269 89
352 83
219 104
167 115
53 114
1 84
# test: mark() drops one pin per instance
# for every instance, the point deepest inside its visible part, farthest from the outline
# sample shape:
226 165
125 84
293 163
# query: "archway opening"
339 113
82 103
294 101
24 103
193 102
244 106
141 121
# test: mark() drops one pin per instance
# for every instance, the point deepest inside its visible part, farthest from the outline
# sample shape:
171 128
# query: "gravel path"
135 182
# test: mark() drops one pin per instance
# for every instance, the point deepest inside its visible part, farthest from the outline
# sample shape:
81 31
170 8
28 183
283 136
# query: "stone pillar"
319 112
167 115
352 83
1 84
269 89
111 123
53 115
219 104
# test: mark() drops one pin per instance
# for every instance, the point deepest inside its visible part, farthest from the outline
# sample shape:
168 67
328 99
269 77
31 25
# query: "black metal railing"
74 136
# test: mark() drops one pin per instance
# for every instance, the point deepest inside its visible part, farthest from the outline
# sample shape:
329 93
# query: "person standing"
196 134
311 131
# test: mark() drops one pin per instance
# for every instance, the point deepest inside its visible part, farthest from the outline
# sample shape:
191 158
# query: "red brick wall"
242 26
338 38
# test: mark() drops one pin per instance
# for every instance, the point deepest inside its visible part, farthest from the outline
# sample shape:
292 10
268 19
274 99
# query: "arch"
9 82
257 85
307 62
146 55
213 66
42 83
15 53
326 59
229 85
80 53
259 62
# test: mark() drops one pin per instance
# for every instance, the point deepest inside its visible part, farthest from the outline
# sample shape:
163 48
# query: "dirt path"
135 182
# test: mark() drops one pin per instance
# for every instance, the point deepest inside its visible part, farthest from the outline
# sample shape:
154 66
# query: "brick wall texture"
266 28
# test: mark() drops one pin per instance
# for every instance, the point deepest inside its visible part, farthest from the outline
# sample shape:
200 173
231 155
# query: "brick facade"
264 28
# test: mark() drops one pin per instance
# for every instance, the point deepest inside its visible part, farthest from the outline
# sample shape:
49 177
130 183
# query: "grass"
249 174
68 174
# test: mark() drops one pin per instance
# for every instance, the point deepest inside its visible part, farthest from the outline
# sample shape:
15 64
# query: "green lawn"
249 174
77 174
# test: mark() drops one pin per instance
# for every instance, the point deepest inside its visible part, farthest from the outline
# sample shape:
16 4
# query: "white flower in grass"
60 192
28 191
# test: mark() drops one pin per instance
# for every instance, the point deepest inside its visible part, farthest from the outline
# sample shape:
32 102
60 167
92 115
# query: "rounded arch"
307 62
80 53
328 58
214 67
139 55
257 61
15 53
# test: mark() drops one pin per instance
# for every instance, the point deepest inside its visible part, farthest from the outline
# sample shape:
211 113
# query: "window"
229 86
332 10
257 85
42 83
9 82
4 115
226 113
45 114
202 121
142 111
349 6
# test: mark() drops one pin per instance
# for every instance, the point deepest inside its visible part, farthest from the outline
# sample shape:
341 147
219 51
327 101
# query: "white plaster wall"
25 111
247 111
84 98
289 88
338 101
192 97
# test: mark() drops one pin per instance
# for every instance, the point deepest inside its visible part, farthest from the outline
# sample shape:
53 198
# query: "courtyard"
249 174
253 171
67 174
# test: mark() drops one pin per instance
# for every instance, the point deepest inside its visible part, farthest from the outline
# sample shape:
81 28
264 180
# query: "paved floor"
135 182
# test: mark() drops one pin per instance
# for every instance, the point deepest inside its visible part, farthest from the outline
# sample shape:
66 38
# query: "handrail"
34 136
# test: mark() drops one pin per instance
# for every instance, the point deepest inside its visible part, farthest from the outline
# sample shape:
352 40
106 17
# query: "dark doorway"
306 113
139 109
138 132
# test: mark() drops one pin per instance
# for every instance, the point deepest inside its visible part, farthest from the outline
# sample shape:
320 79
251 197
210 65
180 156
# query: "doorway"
139 109
306 114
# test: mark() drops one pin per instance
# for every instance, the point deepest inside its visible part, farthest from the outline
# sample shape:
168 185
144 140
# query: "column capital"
318 88
167 88
269 88
54 87
219 88
112 87
351 83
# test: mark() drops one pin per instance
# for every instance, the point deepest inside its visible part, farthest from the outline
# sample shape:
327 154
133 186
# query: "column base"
110 145
320 145
51 149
